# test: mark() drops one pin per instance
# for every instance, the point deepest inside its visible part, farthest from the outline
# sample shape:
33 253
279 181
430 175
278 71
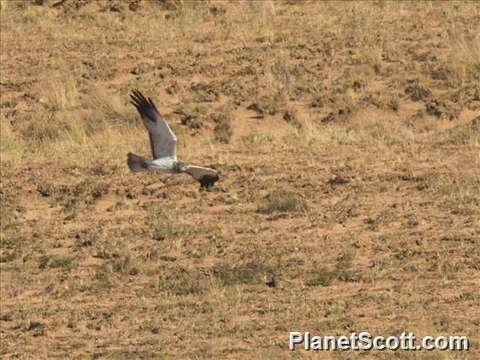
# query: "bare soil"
347 139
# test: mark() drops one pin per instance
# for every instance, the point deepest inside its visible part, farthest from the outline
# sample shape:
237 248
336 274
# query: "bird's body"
168 164
163 144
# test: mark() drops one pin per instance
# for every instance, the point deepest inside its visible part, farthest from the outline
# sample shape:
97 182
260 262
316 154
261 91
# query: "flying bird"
163 143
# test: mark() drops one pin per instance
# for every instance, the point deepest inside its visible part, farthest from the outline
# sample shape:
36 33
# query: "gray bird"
163 143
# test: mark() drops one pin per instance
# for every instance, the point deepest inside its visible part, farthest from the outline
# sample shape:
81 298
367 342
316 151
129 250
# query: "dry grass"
349 193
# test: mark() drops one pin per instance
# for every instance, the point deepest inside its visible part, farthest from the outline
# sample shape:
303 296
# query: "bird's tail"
136 163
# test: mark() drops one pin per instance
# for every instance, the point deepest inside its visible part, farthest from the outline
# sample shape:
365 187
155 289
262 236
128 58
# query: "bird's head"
208 180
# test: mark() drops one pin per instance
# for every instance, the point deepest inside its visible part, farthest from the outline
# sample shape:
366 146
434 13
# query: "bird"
163 143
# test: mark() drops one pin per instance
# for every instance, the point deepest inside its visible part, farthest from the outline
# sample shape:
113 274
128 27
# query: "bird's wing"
162 139
198 172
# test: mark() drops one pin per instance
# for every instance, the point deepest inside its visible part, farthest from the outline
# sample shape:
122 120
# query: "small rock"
270 280
476 121
338 180
6 317
37 327
147 191
131 195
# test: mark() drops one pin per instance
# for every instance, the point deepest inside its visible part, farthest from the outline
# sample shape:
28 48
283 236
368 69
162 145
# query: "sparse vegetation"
223 129
7 257
60 262
321 277
230 275
178 282
347 139
282 201
53 262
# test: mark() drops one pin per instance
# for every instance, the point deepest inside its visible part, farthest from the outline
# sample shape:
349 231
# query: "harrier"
163 143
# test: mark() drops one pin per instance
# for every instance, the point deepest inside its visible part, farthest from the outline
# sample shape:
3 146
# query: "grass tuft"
282 202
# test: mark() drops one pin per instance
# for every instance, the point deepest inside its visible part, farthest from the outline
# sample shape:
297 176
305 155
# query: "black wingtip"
152 103
138 100
145 106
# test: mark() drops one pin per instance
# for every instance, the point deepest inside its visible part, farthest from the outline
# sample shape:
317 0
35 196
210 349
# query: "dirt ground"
347 137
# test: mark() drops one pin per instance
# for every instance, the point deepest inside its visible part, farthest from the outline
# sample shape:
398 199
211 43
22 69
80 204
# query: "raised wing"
205 176
162 139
